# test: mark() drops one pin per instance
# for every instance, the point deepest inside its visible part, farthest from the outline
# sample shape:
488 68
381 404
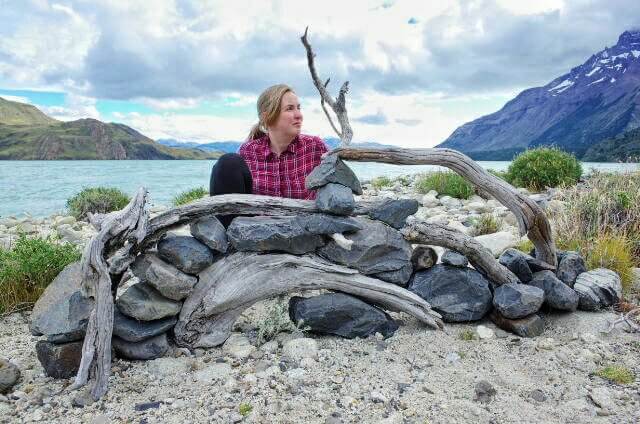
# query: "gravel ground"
416 376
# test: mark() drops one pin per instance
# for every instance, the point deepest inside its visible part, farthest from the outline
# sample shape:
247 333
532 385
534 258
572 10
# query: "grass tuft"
614 253
525 246
487 223
245 409
96 200
617 374
381 182
190 196
445 183
466 335
276 321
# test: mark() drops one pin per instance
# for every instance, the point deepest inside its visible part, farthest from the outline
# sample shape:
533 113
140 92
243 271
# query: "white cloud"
75 107
18 99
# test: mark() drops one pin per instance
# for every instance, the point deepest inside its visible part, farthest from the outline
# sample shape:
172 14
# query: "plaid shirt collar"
266 150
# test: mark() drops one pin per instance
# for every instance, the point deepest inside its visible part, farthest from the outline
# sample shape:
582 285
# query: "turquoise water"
41 188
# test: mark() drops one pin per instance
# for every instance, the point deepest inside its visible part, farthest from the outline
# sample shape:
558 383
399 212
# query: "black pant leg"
230 174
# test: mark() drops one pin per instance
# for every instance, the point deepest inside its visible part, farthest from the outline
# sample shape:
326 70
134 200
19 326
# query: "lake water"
41 188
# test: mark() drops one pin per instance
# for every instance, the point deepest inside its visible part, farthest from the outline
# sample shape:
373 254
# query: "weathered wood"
115 229
237 281
479 256
531 218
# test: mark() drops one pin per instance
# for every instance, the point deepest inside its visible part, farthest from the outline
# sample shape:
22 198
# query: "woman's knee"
229 175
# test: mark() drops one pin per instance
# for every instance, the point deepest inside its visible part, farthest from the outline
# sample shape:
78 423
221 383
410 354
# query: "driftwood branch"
531 218
238 281
338 105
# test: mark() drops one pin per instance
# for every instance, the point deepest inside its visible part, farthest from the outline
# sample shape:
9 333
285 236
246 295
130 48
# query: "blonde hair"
268 109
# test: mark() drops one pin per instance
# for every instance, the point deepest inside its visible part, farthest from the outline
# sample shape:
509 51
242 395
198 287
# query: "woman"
276 158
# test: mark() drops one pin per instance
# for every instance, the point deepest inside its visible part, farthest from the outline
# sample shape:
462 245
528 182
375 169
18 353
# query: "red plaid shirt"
283 176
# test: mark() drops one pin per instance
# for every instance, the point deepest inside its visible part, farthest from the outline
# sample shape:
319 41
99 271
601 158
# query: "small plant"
28 268
486 224
525 246
544 167
96 200
276 321
189 196
245 409
614 253
445 183
404 180
467 335
380 182
617 374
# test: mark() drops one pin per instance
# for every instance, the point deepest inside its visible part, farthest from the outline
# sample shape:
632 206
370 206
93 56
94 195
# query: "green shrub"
445 183
544 167
487 223
617 374
96 200
380 182
189 196
28 268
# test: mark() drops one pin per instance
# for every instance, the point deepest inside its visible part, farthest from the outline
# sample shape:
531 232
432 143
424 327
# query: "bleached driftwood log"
236 282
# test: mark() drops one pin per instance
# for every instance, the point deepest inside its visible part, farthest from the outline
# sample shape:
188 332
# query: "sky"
192 70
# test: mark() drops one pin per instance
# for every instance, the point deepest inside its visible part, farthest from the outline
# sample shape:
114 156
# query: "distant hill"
595 101
39 137
624 148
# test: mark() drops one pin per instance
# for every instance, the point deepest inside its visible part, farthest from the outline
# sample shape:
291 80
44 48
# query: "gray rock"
292 234
144 303
132 330
484 391
377 248
238 346
333 170
598 288
423 257
167 279
570 265
152 348
336 199
59 360
537 394
516 262
450 257
9 375
341 315
458 294
211 232
186 253
394 212
515 301
298 349
62 312
556 293
530 326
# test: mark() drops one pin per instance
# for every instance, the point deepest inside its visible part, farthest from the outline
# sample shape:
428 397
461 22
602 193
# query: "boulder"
59 360
333 170
556 293
62 312
394 212
450 257
132 330
292 234
144 303
211 232
341 315
167 279
498 242
423 257
9 375
529 326
458 294
377 248
516 262
335 199
570 265
152 348
598 288
186 253
515 301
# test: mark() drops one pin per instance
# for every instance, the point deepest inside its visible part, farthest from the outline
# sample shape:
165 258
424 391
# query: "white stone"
429 201
459 226
69 220
270 347
546 343
377 397
169 367
450 202
498 242
601 396
442 219
238 346
213 372
298 349
485 333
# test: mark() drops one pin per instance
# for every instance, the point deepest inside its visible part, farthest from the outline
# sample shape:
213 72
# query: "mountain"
39 137
624 148
595 101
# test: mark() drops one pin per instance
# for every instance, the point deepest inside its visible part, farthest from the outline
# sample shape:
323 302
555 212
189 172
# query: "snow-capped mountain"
595 101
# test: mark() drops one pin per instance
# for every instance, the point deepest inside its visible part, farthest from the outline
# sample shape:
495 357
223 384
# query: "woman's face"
289 121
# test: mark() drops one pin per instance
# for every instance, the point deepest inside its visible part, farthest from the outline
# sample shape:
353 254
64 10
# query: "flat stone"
333 170
394 211
484 391
515 301
62 312
9 375
152 348
557 294
340 314
498 242
164 277
132 330
186 253
530 326
144 303
59 360
423 257
516 262
598 288
292 234
298 349
211 232
538 395
377 250
450 257
335 199
458 294
570 265
485 333
238 346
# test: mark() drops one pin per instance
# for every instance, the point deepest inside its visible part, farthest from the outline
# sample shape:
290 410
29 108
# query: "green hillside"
624 148
14 113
